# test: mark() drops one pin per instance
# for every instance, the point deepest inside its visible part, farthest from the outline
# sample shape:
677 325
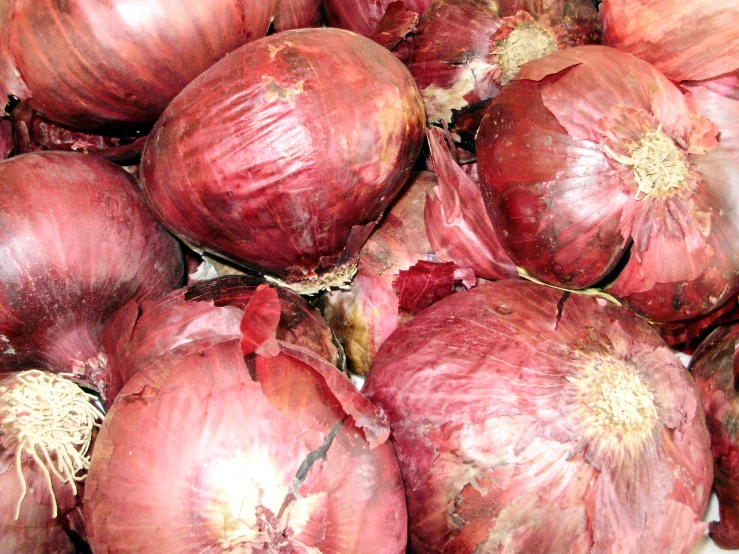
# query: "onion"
301 140
47 424
209 451
75 247
114 66
530 420
684 39
362 16
6 137
395 31
209 311
714 367
465 51
297 14
591 161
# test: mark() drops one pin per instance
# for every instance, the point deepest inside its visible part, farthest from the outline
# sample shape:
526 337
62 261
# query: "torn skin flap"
259 323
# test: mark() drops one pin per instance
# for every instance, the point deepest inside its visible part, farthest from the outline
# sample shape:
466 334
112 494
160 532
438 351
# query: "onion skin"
211 311
75 247
487 396
110 74
297 14
225 438
714 367
300 139
362 16
684 39
6 137
569 213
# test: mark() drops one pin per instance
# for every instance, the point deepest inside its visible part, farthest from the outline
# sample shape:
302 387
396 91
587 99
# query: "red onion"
395 31
466 50
114 66
209 311
275 452
362 16
591 161
530 420
457 223
283 156
296 14
684 39
6 137
715 368
76 246
47 424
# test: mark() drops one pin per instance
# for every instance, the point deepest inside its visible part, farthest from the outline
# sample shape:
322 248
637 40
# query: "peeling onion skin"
488 396
75 247
684 39
714 367
216 443
131 82
209 311
568 212
300 139
362 16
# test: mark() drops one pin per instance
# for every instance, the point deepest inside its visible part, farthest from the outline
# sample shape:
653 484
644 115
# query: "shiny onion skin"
114 66
529 420
684 39
715 367
140 333
210 451
283 156
362 16
297 14
77 242
564 158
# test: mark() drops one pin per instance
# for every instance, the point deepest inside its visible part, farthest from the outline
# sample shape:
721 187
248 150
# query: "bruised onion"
465 51
597 170
47 424
77 242
715 367
684 39
114 66
139 333
275 452
283 156
530 420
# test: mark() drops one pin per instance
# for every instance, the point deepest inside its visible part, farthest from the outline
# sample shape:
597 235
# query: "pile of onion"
715 367
250 445
283 156
77 242
598 171
114 66
47 425
528 419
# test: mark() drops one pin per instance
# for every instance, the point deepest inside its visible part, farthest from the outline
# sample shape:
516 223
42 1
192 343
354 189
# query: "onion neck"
526 42
51 420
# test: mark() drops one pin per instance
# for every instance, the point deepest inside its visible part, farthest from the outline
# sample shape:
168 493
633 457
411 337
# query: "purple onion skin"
487 392
77 242
300 139
114 66
362 16
297 14
715 367
6 137
209 311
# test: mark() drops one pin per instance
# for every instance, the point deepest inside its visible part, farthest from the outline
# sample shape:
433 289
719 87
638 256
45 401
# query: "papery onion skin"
114 66
567 211
684 39
362 16
296 14
487 392
219 450
715 366
75 247
300 139
211 311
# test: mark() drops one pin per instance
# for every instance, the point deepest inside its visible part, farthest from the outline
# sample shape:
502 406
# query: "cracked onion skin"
300 139
551 152
75 247
525 421
207 452
715 367
114 66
